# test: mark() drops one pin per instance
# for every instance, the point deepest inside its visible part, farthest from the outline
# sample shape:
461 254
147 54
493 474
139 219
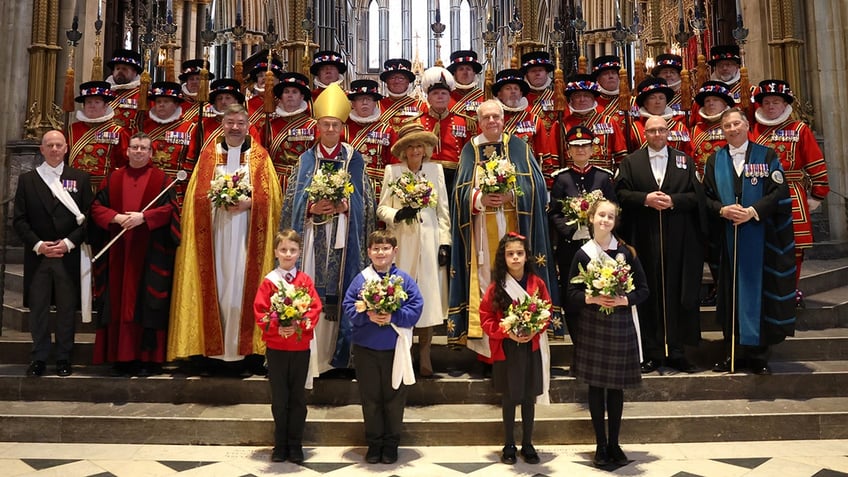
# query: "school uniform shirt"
490 317
271 330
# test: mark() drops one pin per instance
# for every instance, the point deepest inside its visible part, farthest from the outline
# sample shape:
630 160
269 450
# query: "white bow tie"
656 155
736 151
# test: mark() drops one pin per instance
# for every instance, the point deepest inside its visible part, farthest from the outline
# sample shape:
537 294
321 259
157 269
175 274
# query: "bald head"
656 131
53 147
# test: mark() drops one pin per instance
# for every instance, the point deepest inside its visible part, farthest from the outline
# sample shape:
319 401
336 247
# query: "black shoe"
681 364
149 369
616 455
36 368
759 366
373 455
390 454
724 366
508 454
296 454
528 452
63 368
649 366
279 454
601 459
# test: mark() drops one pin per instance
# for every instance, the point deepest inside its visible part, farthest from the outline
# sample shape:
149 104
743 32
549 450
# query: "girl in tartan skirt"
517 371
607 354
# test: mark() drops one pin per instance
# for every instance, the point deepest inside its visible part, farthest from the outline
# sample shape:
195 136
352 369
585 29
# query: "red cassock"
131 189
97 148
800 156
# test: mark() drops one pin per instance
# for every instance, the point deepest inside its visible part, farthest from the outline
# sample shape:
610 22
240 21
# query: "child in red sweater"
517 371
287 342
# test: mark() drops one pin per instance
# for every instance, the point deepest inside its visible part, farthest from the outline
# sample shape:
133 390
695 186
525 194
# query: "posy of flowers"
382 296
498 176
226 190
330 183
576 209
289 306
526 316
414 192
606 276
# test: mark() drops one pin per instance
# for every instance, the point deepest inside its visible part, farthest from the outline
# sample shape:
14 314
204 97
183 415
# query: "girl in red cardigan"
517 369
287 348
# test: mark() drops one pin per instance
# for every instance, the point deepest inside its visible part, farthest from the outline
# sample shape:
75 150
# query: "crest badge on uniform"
777 177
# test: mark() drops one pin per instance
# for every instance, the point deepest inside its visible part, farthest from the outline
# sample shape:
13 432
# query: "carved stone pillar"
43 50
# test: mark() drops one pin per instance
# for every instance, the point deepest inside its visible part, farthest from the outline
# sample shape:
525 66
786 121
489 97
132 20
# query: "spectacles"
138 148
656 131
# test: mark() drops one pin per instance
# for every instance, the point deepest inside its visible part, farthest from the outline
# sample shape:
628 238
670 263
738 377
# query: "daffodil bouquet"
414 192
289 306
330 183
382 296
498 176
526 316
226 190
576 209
606 276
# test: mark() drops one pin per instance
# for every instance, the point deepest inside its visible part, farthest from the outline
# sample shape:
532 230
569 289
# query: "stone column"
827 67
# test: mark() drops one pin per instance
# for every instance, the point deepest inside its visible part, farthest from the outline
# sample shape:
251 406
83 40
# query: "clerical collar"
329 153
244 146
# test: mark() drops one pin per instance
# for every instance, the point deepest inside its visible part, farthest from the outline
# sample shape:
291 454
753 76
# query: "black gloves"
444 255
405 213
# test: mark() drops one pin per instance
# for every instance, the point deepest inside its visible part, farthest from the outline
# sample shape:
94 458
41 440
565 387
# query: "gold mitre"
332 102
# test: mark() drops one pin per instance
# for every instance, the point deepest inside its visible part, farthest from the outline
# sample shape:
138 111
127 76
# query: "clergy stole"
745 247
489 226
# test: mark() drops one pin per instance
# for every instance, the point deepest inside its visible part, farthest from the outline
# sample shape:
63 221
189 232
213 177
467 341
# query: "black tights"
611 401
528 414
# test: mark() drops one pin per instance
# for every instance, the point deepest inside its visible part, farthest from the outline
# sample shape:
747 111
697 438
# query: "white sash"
402 364
516 292
62 195
593 250
276 276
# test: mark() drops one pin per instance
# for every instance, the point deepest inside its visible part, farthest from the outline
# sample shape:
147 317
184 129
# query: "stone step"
456 424
790 380
809 345
16 315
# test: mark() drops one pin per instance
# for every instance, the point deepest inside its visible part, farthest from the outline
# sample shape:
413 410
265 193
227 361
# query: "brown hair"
382 236
288 234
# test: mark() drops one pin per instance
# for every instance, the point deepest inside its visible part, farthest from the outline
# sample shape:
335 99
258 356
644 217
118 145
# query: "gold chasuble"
196 325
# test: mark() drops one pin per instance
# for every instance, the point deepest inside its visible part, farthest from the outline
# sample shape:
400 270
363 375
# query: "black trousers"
382 406
287 372
51 278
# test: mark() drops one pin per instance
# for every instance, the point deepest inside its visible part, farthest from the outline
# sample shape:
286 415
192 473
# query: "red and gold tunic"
125 105
611 147
97 148
466 101
174 148
374 142
613 114
707 138
396 111
525 125
678 134
453 130
801 158
548 143
291 136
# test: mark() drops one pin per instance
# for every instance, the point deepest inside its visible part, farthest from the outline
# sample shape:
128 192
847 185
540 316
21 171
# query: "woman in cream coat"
423 233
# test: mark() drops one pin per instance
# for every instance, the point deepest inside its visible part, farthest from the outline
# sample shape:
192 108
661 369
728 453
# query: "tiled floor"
731 459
